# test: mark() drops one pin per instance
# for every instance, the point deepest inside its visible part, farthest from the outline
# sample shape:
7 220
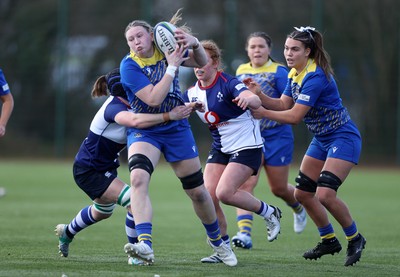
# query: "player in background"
96 163
7 101
236 151
151 81
312 95
278 138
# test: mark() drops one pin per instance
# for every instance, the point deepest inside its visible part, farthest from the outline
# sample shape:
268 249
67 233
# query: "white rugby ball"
164 37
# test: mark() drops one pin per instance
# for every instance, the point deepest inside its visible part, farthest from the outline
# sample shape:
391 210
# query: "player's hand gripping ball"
164 39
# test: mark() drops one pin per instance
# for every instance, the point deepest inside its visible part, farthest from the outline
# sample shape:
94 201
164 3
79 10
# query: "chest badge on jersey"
220 97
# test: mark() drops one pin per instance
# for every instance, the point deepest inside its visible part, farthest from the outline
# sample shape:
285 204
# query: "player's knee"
329 180
124 198
192 181
140 161
104 210
279 191
305 183
224 198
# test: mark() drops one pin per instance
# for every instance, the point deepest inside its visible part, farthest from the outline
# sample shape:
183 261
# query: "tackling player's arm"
144 120
277 104
292 116
247 99
154 95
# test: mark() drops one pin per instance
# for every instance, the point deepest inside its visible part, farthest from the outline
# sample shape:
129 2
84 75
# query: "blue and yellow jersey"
312 88
272 78
4 88
137 73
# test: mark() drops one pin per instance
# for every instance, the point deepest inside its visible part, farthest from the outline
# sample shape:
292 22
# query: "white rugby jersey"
232 128
100 149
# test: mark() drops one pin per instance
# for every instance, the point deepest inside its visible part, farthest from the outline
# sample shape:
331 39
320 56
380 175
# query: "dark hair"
109 83
262 35
313 39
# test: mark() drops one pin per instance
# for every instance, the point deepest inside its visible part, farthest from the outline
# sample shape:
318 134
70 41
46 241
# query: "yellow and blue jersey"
4 88
137 73
272 78
312 88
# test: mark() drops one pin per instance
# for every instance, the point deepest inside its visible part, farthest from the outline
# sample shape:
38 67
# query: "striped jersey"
232 128
137 73
272 78
312 88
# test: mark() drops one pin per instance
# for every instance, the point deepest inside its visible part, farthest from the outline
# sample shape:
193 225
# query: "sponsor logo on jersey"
304 97
240 86
211 117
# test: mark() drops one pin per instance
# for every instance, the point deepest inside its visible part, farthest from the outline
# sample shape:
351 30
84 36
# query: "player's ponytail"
100 87
313 39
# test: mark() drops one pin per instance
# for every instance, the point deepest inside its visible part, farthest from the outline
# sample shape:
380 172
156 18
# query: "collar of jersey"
213 83
142 62
247 68
310 67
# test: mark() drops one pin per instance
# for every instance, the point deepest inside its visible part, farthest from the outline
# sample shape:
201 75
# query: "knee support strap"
140 161
104 208
192 181
305 183
124 198
329 180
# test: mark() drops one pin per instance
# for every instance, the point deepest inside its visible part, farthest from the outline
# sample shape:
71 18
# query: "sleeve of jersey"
311 89
132 76
236 87
4 89
185 96
281 78
112 109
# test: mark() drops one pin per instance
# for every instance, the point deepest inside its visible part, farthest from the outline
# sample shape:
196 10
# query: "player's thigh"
147 148
212 175
112 193
338 167
186 167
311 167
234 175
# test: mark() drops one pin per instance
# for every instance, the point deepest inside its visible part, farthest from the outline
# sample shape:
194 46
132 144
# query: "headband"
307 29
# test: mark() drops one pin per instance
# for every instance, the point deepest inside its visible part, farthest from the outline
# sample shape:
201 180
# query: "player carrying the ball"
151 81
96 163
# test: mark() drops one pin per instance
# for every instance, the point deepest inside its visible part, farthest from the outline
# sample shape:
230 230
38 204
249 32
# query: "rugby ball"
164 39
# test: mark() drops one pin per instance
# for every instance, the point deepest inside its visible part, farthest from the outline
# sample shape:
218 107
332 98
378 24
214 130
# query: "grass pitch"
41 194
